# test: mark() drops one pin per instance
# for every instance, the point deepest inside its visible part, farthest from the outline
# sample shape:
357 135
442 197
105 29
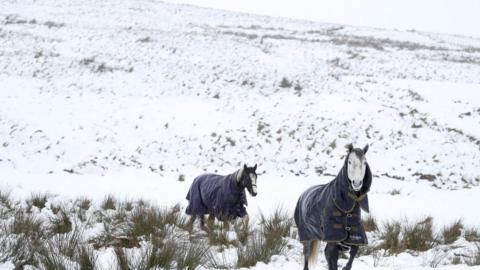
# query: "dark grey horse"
221 196
331 212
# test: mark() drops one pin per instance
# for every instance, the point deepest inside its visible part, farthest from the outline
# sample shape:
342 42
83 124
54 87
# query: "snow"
445 16
102 98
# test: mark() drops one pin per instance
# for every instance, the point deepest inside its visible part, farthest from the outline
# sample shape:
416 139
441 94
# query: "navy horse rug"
218 195
331 212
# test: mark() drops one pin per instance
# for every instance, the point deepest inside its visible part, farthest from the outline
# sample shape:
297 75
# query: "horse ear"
255 167
349 147
365 149
244 166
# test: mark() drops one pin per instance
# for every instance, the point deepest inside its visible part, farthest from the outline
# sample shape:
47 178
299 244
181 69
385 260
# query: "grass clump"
419 236
285 83
269 241
173 255
472 234
38 200
452 232
61 223
109 203
190 256
243 230
5 200
84 203
390 234
257 250
474 258
217 236
370 224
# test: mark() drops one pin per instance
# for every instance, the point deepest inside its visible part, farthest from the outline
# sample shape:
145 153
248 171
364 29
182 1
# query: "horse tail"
312 259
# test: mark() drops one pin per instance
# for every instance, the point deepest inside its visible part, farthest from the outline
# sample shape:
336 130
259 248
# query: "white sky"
460 17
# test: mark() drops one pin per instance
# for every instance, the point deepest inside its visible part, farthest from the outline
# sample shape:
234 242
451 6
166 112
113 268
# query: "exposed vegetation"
144 236
452 232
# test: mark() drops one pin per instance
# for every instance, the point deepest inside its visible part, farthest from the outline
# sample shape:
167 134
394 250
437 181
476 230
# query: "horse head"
356 164
247 178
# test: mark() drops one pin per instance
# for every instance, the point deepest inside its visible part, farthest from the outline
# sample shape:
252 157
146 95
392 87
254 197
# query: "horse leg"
190 222
211 221
353 252
202 222
307 251
331 254
226 225
246 220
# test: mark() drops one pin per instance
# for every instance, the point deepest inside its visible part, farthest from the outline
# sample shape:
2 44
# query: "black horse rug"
331 212
218 195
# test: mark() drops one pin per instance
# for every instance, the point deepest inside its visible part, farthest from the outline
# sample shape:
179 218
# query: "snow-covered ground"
107 98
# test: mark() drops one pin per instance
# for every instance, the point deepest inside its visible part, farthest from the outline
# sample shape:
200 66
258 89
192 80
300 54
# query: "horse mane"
239 174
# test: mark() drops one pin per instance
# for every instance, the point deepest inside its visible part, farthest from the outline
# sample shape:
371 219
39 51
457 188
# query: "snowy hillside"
128 97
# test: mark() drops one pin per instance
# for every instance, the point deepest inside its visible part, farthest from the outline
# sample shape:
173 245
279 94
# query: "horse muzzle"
253 191
357 185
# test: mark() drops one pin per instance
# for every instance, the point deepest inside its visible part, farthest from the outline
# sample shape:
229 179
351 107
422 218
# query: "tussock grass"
146 221
243 230
370 224
83 203
109 203
452 232
390 234
61 223
27 224
38 200
86 258
419 236
416 236
285 83
472 234
217 236
173 255
190 256
474 258
277 225
456 260
269 241
258 249
144 236
5 200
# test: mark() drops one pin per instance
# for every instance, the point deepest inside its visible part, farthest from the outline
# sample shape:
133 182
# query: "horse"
331 212
221 196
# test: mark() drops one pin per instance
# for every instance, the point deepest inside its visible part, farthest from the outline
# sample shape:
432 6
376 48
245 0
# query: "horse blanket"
218 195
332 213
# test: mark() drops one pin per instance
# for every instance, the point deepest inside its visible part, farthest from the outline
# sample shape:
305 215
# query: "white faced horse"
331 212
